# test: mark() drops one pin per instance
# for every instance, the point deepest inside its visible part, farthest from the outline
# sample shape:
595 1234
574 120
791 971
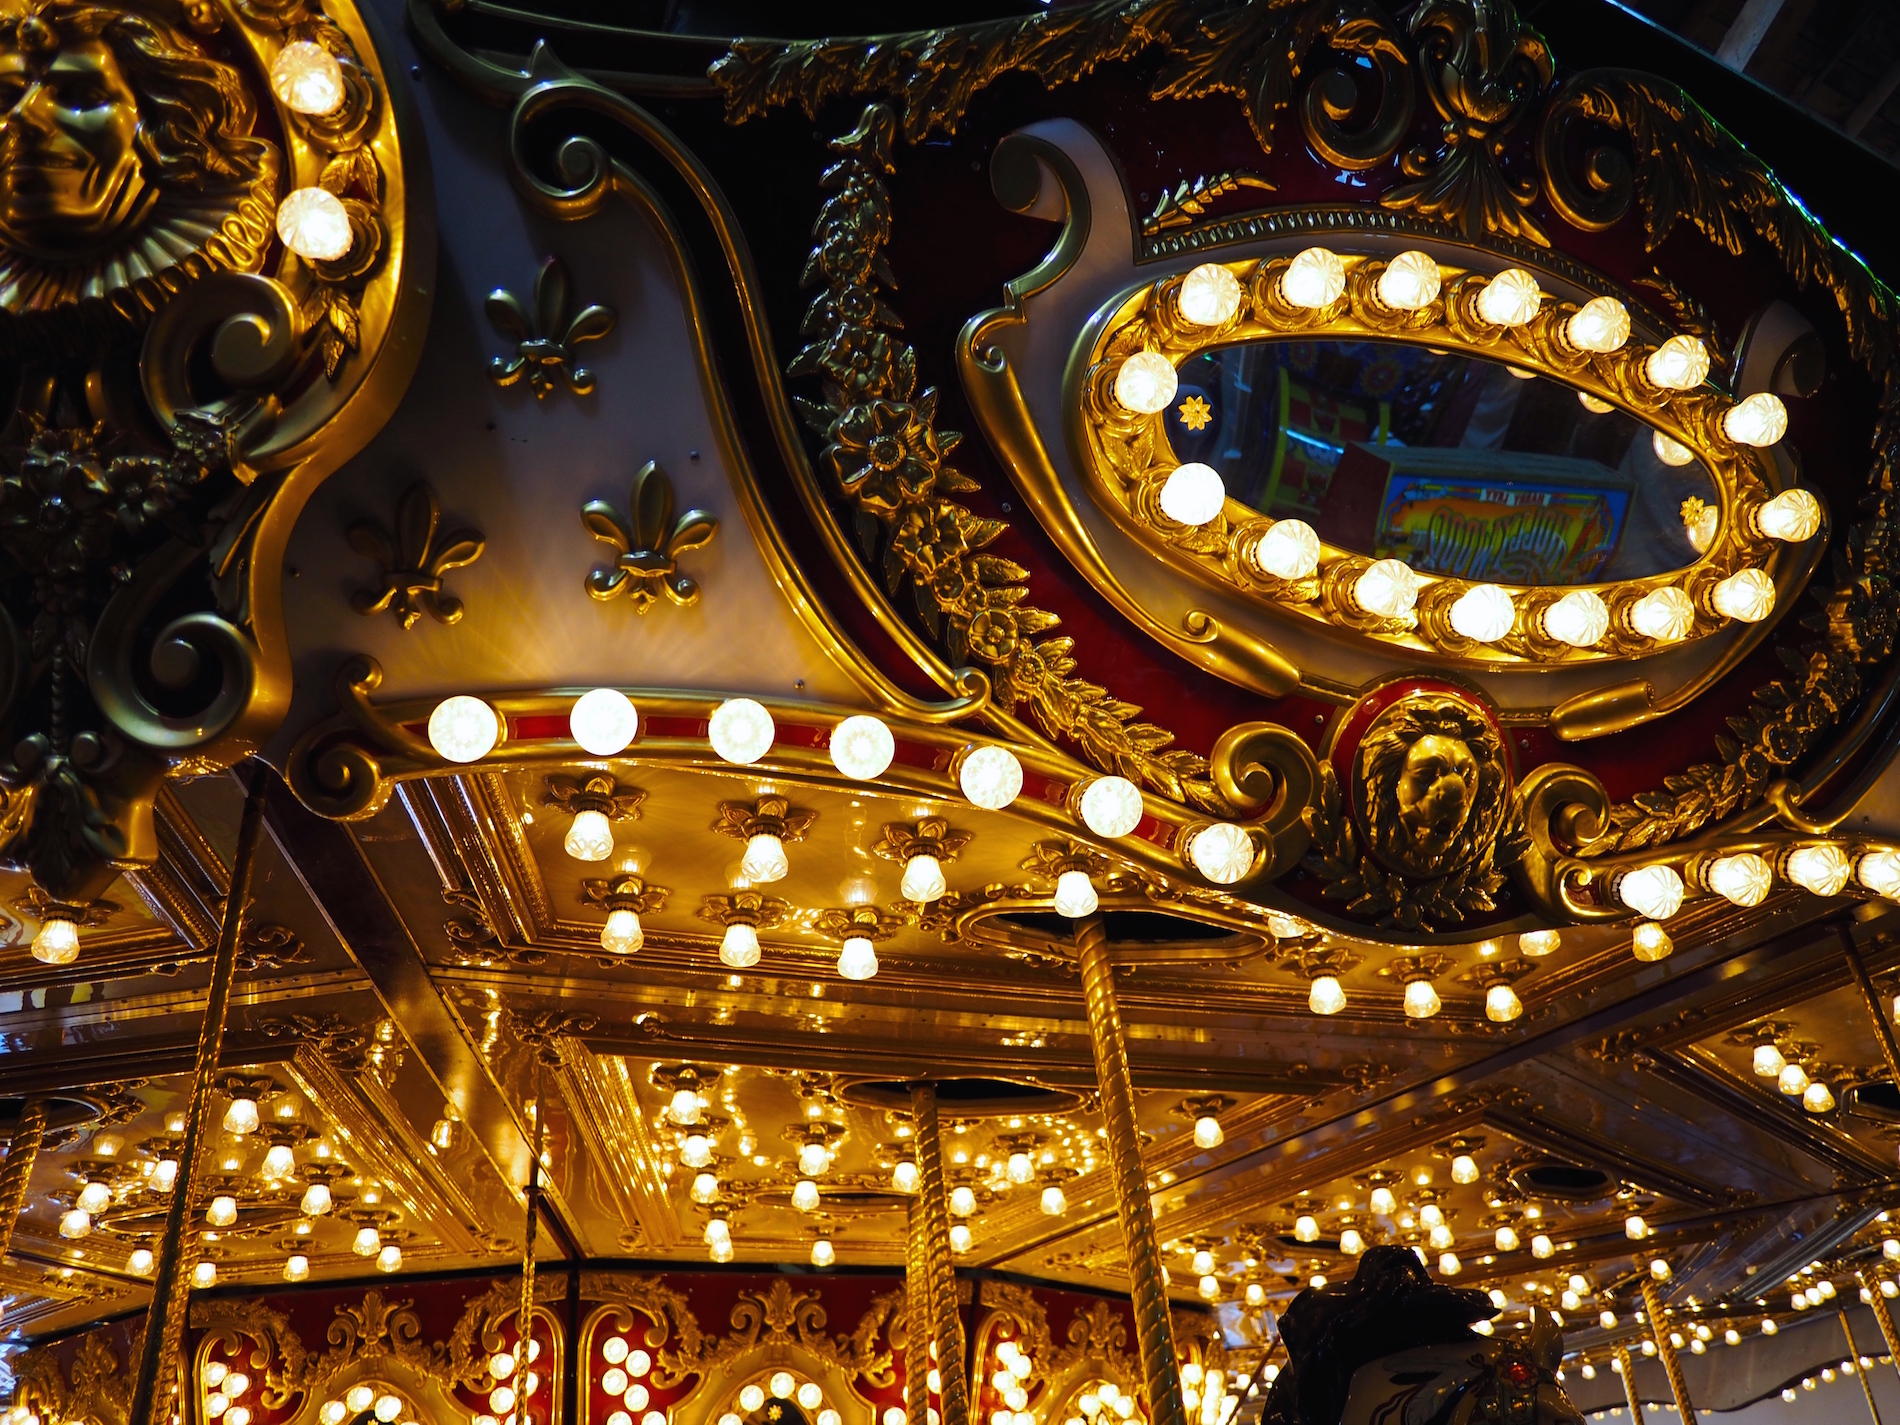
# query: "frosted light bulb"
717 1230
1484 613
751 1398
1501 1004
1822 868
204 1275
1193 494
1021 1168
314 224
1635 1228
307 79
222 1211
1410 282
1506 1239
810 1395
1593 404
1817 1097
389 1259
805 1195
590 837
368 1242
1432 1215
1054 1202
1540 942
1326 996
813 1159
463 729
1208 1132
764 860
1666 614
603 721
75 1223
1580 618
1146 383
695 1150
960 1238
1542 1247
1288 550
1792 516
95 1197
1510 299
360 1398
991 777
1659 1269
1223 852
1879 871
1351 1243
1209 295
1654 891
622 935
741 731
857 959
56 942
1383 1202
1421 1000
1670 451
279 1162
1759 420
241 1116
962 1201
1769 1061
1600 324
1792 1080
905 1177
1306 1228
705 1188
1449 1265
923 879
1744 879
1314 279
739 948
1464 1169
296 1268
1748 597
1209 1288
862 747
1388 589
1111 807
1257 1296
1649 941
316 1200
1679 364
1075 895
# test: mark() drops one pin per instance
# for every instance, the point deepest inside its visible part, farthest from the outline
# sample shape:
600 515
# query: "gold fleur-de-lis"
413 561
545 341
649 542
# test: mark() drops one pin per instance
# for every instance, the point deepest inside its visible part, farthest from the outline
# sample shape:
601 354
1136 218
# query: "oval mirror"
1457 465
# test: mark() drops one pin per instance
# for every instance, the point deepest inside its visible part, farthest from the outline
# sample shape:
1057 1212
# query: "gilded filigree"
648 542
412 560
1187 201
927 836
546 337
96 1391
768 816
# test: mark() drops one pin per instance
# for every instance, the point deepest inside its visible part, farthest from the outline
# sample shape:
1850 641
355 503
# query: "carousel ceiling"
1379 538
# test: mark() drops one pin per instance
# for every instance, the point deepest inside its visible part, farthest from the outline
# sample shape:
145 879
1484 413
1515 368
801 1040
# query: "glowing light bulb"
622 935
1501 1004
140 1262
1290 549
905 1177
1209 296
222 1211
1792 1080
1484 613
695 1150
923 879
56 942
1314 279
1075 895
1351 1243
1542 1246
805 1195
962 1201
857 959
1054 1201
1306 1228
95 1197
359 1398
1743 879
1388 589
1326 996
1600 324
463 729
296 1268
813 1158
1822 868
1666 614
1759 420
75 1223
1208 1132
316 1200
991 777
314 224
1748 596
1146 383
590 837
204 1275
1193 494
1432 1215
603 721
1410 282
1769 1061
241 1116
1595 405
1580 618
389 1259
1421 1000
862 747
1654 891
1449 1265
1506 1239
1649 941
1383 1202
739 947
764 860
741 731
1223 852
705 1188
1111 807
1537 943
1679 364
1510 299
1792 516
1635 1228
960 1238
307 79
368 1242
1669 451
1879 871
717 1230
279 1162
1817 1097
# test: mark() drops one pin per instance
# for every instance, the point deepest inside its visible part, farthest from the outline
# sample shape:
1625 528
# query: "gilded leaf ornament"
546 337
648 541
413 559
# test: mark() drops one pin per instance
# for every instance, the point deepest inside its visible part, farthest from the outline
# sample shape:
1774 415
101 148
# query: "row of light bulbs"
1744 878
1326 995
1194 493
312 222
1792 1079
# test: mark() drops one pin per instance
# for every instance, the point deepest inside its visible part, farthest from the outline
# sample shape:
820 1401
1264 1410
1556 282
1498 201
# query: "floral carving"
649 542
413 560
545 339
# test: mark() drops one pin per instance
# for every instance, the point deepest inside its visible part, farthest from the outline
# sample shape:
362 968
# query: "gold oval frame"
1127 457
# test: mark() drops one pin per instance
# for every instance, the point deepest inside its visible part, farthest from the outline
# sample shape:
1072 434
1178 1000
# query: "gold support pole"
1860 1371
1884 1316
171 1280
1882 1029
17 1171
951 1368
1678 1387
1154 1331
1627 1369
524 1313
918 1314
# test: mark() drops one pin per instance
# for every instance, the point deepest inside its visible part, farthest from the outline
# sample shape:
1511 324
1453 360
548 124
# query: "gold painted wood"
936 1260
1678 1387
16 1173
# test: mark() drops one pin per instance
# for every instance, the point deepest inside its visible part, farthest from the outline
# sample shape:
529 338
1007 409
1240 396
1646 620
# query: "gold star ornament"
1195 413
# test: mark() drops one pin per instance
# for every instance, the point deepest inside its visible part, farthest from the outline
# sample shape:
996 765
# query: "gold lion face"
1432 785
1435 788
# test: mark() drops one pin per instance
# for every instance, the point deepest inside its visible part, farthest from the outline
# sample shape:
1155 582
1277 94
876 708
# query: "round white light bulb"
314 224
1207 1132
1484 613
1387 589
1747 597
1410 282
1290 550
1654 891
307 79
1679 364
1054 1201
741 731
1792 516
1111 807
1540 942
1666 614
1743 879
1146 383
1510 299
1209 296
1193 494
1464 1169
1879 871
603 721
862 747
1760 420
1580 618
1822 868
1314 279
1669 450
805 1195
1223 852
1600 324
463 729
991 777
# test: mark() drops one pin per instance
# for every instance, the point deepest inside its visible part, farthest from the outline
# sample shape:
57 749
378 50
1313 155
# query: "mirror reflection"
1455 464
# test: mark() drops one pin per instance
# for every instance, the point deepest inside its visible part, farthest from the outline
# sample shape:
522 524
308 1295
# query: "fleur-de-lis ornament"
649 544
545 341
413 561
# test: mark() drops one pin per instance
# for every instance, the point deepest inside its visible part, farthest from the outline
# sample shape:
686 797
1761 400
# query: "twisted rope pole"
1860 1370
1626 1368
919 1312
1154 1331
951 1368
1678 1387
17 1172
1884 1316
